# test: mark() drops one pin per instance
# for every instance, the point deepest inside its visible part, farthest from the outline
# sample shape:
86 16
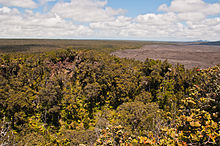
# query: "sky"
159 20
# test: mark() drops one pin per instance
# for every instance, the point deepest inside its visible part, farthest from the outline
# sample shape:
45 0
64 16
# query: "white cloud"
191 10
119 22
191 16
86 10
6 11
19 3
181 20
38 25
191 7
157 19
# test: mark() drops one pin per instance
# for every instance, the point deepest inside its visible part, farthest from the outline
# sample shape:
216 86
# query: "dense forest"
86 96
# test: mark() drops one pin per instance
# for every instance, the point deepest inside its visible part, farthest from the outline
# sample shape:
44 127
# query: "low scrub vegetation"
71 97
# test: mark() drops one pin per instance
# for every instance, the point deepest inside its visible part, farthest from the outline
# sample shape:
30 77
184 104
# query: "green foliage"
72 97
139 118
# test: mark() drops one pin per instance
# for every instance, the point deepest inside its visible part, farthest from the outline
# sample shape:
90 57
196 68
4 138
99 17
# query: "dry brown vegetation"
42 45
190 55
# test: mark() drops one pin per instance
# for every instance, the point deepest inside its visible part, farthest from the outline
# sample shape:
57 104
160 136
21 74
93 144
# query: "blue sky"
137 7
133 7
170 20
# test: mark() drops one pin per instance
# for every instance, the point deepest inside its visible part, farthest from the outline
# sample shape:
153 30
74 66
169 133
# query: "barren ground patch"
202 56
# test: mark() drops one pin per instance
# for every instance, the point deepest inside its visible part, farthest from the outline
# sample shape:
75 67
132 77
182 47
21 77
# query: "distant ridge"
217 43
201 41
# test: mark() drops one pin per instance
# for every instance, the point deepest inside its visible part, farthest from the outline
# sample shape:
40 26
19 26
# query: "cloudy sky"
170 20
